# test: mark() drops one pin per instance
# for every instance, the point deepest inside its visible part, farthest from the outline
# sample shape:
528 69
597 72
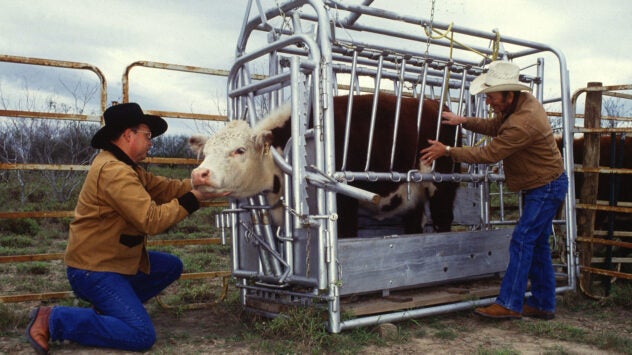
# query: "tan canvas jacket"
119 205
523 140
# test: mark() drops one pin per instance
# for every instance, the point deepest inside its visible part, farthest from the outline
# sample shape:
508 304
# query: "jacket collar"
119 154
513 106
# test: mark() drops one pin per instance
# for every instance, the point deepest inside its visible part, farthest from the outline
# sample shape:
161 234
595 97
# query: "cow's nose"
201 176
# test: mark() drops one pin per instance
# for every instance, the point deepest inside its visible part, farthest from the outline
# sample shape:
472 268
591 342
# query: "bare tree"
39 141
615 108
171 146
16 148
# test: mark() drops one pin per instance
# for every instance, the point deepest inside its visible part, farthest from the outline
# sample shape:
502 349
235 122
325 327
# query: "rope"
496 46
429 30
441 35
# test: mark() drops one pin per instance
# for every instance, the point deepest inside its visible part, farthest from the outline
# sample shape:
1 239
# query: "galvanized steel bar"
324 37
322 181
345 149
423 312
410 77
298 125
444 90
415 176
422 96
540 83
398 106
265 259
268 235
378 80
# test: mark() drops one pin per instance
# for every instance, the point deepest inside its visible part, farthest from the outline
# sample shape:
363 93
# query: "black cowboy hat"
119 117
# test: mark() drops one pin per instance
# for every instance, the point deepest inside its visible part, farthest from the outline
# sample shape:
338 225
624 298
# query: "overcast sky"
595 36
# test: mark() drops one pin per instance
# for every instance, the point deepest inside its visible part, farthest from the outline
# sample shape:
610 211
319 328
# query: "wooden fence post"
588 192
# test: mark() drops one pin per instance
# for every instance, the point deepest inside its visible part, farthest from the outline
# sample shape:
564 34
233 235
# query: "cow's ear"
263 140
196 143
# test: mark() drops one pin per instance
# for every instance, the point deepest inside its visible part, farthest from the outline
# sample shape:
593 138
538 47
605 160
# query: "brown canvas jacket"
523 140
119 205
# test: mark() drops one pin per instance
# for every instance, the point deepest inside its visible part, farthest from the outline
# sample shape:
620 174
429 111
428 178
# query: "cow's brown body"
408 145
406 158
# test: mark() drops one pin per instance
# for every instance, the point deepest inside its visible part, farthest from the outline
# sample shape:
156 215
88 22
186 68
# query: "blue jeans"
118 318
530 251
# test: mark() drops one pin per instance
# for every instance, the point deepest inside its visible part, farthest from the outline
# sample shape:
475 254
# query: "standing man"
108 265
523 140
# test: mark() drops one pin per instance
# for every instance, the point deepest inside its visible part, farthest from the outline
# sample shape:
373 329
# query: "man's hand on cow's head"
433 152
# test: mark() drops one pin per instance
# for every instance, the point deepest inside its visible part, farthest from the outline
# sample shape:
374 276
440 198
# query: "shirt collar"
119 154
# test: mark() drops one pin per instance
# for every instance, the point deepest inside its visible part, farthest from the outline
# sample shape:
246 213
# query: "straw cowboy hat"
501 76
119 117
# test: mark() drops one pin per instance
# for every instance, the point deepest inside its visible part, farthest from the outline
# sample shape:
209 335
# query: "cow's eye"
240 151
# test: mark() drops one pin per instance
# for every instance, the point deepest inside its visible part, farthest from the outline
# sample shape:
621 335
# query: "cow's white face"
236 160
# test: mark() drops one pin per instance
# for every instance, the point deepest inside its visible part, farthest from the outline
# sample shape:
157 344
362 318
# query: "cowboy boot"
497 311
37 332
533 312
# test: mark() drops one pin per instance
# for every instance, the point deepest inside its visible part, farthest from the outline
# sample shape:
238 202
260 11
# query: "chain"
429 31
284 18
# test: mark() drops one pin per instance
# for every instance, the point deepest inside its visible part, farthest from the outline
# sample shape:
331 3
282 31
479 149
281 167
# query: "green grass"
603 339
303 330
553 329
481 351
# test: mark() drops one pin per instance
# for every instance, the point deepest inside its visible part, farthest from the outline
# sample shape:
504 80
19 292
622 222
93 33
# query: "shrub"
9 319
26 226
16 241
621 294
34 268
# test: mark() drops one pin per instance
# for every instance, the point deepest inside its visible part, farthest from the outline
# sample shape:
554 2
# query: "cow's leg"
347 217
442 205
413 220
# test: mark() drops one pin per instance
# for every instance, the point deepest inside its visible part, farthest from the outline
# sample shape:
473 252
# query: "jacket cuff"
189 202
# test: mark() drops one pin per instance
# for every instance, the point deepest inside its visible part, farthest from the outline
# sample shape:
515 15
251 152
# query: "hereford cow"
624 193
235 160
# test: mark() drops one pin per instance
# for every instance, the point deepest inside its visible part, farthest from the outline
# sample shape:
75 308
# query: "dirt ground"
220 330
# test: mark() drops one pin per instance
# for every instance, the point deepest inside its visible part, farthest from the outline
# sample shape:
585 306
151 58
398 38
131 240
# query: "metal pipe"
378 80
345 149
423 312
321 180
398 106
422 96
